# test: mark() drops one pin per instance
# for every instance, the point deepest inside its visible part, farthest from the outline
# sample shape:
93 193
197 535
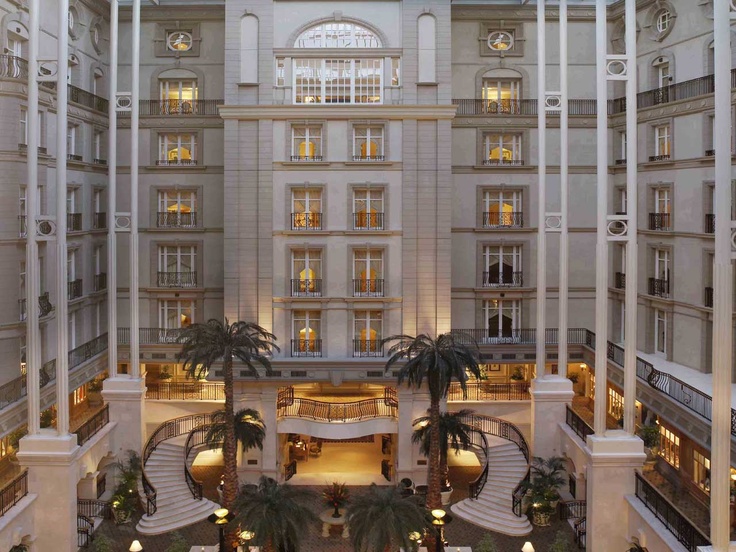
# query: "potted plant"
14 439
542 489
48 418
336 496
125 496
518 373
94 391
164 374
650 435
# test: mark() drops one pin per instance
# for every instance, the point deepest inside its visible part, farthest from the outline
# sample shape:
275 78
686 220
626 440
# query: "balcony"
657 158
620 162
44 304
369 157
176 162
517 107
13 492
306 221
367 348
659 287
73 222
710 153
74 157
23 148
659 221
99 221
87 99
305 158
177 279
100 281
367 221
167 219
74 289
151 336
93 425
708 301
710 223
619 280
306 347
153 108
97 161
306 288
368 288
511 219
503 279
503 162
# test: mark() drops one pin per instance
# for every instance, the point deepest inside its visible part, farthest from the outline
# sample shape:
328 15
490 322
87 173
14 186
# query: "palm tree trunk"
229 451
434 500
444 468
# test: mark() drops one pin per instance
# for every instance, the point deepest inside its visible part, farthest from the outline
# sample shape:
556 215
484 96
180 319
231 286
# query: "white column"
601 258
62 310
135 366
562 359
632 249
112 160
542 193
722 285
33 284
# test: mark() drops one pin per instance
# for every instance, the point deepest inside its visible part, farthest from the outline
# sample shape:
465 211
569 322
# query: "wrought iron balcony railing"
367 221
367 348
659 287
98 161
74 222
74 289
503 279
13 67
306 158
306 347
177 279
517 107
168 219
44 304
619 280
620 162
100 281
710 153
659 221
99 221
306 221
710 223
503 219
503 162
176 162
369 157
74 157
306 287
89 428
159 108
368 288
656 158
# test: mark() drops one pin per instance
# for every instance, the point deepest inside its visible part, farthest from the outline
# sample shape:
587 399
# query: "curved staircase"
169 501
495 498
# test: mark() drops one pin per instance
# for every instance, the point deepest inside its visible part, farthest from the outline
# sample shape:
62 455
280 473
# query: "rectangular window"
177 209
502 149
98 154
79 395
72 329
368 143
280 72
71 139
501 96
71 265
24 126
623 145
669 444
662 142
661 218
177 149
306 209
502 320
306 143
338 81
395 71
178 91
367 333
306 273
502 209
701 471
368 209
368 273
306 334
177 266
22 210
615 404
660 332
502 266
175 314
22 291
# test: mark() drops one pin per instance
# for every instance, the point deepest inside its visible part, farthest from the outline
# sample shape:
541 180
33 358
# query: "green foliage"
574 378
95 385
518 373
47 418
545 482
102 544
650 435
250 431
178 543
336 495
15 437
19 548
164 374
125 495
381 520
561 543
486 544
277 514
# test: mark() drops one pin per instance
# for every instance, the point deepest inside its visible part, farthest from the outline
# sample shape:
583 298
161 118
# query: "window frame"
379 138
316 141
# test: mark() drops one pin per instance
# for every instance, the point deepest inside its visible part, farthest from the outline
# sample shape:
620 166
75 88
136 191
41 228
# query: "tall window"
662 264
669 446
177 149
502 209
502 266
175 313
178 96
501 96
615 404
367 332
662 141
660 332
22 210
24 126
306 273
503 319
98 146
306 333
663 74
177 208
71 139
622 144
71 265
701 471
662 206
368 273
368 209
306 143
177 266
368 143
306 209
502 149
22 291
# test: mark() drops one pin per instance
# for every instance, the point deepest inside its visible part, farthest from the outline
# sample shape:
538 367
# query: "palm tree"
380 520
250 431
277 514
439 362
454 433
205 344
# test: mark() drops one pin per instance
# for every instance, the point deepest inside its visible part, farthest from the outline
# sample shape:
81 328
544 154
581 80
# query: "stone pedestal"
550 395
612 460
53 473
126 397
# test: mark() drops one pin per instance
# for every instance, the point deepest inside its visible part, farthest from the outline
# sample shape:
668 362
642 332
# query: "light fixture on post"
244 538
221 517
135 547
527 547
441 518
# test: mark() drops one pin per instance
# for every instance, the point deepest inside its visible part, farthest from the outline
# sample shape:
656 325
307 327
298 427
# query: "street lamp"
527 547
221 517
441 518
245 537
135 547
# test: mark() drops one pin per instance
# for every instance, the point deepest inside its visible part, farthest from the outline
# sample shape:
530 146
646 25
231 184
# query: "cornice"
516 13
331 112
168 14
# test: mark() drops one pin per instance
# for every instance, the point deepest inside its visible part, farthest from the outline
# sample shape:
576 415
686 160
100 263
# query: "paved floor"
459 533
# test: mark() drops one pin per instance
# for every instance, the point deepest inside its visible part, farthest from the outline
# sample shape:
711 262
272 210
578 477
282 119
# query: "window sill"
176 167
368 162
306 163
527 168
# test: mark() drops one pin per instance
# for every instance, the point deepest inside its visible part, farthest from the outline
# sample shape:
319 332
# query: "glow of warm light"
247 535
221 513
438 513
527 547
135 547
733 477
415 536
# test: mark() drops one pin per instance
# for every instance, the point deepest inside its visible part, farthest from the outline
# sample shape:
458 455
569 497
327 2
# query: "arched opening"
501 91
17 50
178 91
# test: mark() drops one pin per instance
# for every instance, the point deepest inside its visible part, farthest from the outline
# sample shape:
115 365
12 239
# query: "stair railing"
195 439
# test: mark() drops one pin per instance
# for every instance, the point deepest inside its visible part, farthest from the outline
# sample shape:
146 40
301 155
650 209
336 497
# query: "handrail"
581 428
181 390
572 509
89 428
378 407
196 438
85 526
11 494
676 523
94 508
486 391
167 430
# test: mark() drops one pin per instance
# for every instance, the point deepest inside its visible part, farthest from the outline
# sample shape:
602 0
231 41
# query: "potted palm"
94 391
542 489
125 497
164 374
336 496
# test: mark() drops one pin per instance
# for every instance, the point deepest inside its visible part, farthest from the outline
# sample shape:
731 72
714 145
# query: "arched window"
17 50
178 91
500 88
337 35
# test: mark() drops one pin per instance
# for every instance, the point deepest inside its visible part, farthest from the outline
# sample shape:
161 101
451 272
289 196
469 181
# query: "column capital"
552 388
615 448
47 449
123 388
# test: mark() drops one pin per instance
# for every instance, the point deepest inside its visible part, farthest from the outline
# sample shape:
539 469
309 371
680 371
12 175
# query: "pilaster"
411 406
270 460
126 397
550 395
612 461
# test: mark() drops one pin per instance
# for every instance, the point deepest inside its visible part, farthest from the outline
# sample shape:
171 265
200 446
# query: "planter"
541 519
446 495
121 516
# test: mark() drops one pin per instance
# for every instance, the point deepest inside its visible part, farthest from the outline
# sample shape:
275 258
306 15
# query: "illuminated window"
306 332
174 314
338 81
669 444
337 35
177 149
502 149
306 143
306 209
177 208
179 41
615 404
178 96
368 273
501 41
367 331
368 143
368 209
306 273
701 471
501 96
502 209
79 395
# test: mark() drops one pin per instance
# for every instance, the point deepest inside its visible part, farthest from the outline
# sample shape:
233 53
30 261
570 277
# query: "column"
112 242
412 405
271 462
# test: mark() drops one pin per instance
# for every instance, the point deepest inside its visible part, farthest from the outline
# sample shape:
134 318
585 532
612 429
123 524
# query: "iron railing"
503 162
87 350
154 108
571 509
503 279
87 99
577 424
151 336
368 288
310 158
518 107
94 508
85 526
11 493
619 280
306 347
676 523
656 158
186 391
74 222
168 219
306 221
708 302
367 348
710 223
659 221
710 153
177 279
44 304
503 219
379 407
485 391
196 438
367 221
74 289
99 220
306 288
100 281
369 157
74 157
98 161
290 470
176 162
659 287
575 336
619 162
386 469
580 532
89 428
13 67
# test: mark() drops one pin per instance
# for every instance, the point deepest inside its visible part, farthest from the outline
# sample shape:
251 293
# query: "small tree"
250 430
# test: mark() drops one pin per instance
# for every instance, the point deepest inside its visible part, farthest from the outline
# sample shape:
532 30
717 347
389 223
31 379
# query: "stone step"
183 517
492 519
